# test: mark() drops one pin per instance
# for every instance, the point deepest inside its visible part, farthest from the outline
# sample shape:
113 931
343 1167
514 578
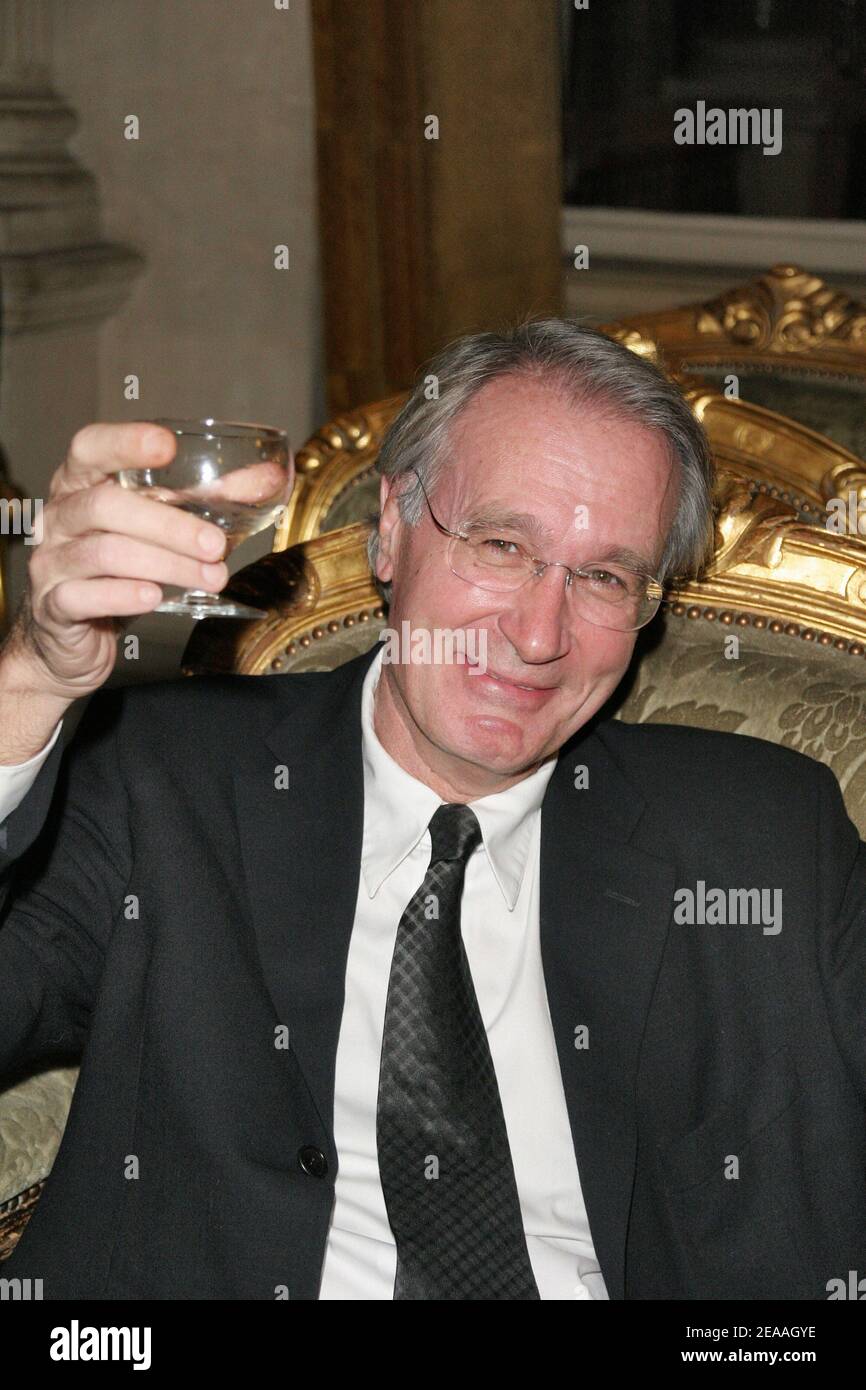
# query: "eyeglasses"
605 594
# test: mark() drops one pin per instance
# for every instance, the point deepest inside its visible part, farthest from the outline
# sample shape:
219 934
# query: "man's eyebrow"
629 559
501 519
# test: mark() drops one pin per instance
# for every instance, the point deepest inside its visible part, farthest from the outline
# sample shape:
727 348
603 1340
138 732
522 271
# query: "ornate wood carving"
337 456
785 314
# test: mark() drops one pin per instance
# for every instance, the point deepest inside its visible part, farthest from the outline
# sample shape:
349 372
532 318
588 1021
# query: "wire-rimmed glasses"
604 592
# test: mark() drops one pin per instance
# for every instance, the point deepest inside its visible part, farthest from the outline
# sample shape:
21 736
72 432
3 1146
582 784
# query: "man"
423 1019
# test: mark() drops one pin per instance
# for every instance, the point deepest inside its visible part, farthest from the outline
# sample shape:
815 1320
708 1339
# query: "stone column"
58 278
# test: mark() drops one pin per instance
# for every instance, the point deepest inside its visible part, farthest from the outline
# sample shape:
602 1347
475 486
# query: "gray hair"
589 369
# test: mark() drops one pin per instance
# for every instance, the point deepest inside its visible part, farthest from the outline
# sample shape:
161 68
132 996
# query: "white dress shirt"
16 779
500 927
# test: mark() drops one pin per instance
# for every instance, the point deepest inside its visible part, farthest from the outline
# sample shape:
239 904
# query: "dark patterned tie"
444 1159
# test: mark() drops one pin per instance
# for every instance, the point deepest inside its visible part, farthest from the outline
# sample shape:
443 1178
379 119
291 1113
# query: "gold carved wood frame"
785 318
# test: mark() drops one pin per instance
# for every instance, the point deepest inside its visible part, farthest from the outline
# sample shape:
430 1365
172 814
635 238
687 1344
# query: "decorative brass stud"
775 625
307 461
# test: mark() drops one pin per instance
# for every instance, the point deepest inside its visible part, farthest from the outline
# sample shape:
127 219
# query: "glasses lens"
490 562
601 593
613 597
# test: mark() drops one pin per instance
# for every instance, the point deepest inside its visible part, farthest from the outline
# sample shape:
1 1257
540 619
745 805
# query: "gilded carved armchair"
796 345
788 590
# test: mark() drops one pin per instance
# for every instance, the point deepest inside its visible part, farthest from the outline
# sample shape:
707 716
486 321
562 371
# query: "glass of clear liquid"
238 476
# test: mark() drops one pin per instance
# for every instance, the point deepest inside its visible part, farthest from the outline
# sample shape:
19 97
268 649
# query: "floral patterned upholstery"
797 693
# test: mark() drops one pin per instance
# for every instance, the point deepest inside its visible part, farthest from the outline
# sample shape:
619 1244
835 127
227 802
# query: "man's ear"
389 528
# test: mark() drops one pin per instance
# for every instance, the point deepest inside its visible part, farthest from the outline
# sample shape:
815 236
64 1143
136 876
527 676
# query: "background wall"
222 172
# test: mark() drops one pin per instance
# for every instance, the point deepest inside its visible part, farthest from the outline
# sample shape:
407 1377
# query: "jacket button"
313 1161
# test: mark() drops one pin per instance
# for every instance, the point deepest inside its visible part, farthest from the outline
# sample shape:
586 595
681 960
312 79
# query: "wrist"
28 711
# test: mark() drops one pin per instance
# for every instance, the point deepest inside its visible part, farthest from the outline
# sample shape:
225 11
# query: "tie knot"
454 832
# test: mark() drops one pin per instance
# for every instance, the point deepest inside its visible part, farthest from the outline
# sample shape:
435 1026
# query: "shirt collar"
398 809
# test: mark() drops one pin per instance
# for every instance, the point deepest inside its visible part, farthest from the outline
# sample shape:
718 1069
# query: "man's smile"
528 695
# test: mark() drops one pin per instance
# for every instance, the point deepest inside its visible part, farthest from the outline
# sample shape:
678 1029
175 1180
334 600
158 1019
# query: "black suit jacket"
169 904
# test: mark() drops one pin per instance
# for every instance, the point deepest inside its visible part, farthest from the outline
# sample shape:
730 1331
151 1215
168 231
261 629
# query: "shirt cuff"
16 779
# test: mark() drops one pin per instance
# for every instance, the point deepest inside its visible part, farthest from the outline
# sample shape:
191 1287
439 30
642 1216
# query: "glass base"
198 603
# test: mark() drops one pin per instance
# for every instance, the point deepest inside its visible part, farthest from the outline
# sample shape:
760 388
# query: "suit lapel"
302 854
605 909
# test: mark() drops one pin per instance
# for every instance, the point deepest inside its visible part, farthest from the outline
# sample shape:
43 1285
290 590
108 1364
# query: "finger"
254 485
102 553
83 600
109 507
101 449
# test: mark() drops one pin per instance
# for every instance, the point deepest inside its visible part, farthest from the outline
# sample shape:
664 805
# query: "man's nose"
536 618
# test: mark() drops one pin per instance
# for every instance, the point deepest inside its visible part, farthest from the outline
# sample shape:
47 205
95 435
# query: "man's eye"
497 545
603 579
